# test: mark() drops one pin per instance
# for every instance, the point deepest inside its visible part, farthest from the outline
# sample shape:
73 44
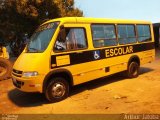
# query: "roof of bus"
96 20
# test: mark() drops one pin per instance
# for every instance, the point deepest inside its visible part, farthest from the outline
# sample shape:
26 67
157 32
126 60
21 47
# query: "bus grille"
17 73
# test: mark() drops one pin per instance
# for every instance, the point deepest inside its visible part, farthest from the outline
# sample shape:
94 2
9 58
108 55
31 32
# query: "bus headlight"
29 74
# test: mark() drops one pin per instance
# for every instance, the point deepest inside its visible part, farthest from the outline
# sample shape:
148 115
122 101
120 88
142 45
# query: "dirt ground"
109 95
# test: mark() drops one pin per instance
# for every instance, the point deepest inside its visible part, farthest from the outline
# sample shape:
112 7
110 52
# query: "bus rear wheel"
57 90
133 70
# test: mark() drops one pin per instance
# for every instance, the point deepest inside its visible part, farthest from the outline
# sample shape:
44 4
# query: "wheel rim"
3 70
58 90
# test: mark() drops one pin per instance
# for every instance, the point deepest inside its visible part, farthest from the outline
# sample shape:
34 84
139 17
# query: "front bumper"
31 84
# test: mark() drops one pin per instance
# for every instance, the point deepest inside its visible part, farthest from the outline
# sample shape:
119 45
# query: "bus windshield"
41 38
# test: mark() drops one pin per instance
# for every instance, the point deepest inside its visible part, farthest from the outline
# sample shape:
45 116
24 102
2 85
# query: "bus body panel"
83 64
87 71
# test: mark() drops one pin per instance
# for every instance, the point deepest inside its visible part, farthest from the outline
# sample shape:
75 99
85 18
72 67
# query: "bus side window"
143 33
126 34
75 39
103 35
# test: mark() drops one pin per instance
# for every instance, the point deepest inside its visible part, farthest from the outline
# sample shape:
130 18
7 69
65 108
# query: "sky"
121 9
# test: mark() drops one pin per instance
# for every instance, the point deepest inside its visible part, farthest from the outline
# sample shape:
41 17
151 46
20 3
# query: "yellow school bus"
69 51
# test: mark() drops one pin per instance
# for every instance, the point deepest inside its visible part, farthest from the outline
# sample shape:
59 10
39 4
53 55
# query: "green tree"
20 17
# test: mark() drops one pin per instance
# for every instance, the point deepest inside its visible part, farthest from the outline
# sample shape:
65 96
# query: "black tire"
5 69
61 86
133 70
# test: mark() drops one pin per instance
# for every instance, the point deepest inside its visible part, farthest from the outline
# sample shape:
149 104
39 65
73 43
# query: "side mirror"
62 34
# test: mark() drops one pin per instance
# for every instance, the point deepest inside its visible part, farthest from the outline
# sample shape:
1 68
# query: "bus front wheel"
57 90
133 70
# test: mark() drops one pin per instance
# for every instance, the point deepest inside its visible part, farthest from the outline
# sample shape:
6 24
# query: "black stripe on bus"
88 56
